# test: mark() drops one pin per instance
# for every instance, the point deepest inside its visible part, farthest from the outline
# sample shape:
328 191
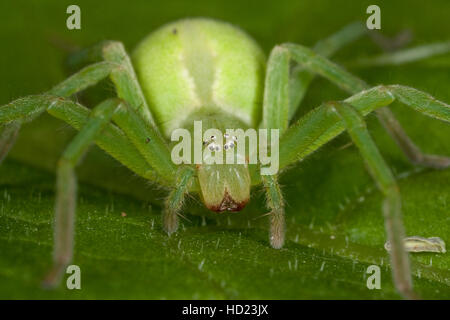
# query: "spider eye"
229 145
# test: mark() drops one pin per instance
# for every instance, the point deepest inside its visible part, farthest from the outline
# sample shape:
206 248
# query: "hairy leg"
147 141
300 77
66 186
122 145
284 89
319 126
324 123
175 200
135 125
7 138
315 63
380 172
276 91
275 204
112 139
123 77
115 64
135 115
403 56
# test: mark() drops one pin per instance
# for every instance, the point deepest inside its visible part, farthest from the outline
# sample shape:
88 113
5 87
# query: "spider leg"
381 173
135 121
123 77
86 77
276 93
300 78
175 200
152 148
66 186
112 139
128 144
23 109
275 204
284 89
7 138
319 126
403 56
324 67
324 123
135 116
147 141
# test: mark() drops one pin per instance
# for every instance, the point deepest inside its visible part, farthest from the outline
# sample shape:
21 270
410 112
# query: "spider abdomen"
195 63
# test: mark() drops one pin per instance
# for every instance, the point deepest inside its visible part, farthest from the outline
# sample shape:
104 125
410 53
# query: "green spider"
202 69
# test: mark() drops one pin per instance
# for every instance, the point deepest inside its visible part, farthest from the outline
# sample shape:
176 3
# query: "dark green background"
228 256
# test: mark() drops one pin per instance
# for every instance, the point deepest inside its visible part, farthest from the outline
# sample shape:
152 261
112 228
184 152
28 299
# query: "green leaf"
335 226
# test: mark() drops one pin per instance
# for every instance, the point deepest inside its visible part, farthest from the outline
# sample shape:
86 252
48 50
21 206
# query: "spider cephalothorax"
202 70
